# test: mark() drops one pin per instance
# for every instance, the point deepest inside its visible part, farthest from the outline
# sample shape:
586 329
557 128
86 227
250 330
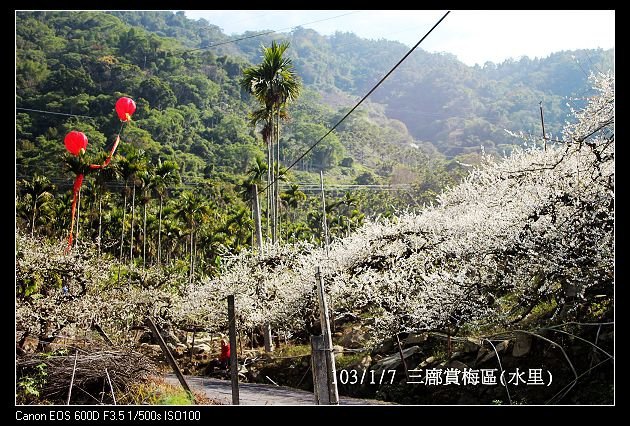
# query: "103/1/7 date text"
359 377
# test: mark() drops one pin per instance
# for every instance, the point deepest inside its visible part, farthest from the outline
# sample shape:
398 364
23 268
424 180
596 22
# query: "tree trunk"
324 223
272 188
33 221
192 232
122 233
133 211
277 206
159 251
194 253
269 190
256 212
100 222
144 237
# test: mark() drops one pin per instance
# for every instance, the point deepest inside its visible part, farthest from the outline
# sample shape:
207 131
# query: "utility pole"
324 222
257 224
233 357
542 123
333 394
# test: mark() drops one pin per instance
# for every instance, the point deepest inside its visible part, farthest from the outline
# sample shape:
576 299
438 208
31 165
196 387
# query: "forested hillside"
191 133
443 102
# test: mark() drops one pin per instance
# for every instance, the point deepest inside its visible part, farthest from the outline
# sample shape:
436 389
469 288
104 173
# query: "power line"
229 41
589 59
51 112
359 103
266 33
304 186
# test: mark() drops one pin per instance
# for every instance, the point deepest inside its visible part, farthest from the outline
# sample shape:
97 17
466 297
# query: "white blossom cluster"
276 287
56 290
537 224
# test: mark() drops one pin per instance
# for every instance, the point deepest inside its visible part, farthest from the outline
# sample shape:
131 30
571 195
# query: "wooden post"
233 357
325 224
192 345
256 208
328 345
168 354
402 358
320 373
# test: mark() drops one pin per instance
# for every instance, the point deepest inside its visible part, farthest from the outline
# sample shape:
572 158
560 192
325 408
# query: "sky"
472 36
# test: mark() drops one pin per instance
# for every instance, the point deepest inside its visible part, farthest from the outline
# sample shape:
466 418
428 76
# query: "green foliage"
180 398
29 386
348 360
292 350
193 114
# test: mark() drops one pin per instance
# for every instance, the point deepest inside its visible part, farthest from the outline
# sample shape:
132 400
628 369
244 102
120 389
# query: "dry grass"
156 391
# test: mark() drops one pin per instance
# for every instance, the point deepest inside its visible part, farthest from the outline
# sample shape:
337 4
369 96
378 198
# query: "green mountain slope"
441 101
401 148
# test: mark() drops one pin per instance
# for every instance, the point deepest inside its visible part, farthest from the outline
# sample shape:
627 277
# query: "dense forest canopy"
414 137
455 107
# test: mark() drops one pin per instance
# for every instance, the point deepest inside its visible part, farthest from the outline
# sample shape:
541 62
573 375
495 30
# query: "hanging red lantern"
125 107
76 142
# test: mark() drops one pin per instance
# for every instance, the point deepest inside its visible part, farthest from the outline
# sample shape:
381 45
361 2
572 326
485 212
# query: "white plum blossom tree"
536 226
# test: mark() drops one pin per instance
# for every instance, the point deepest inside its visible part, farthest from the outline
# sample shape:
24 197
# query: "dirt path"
258 394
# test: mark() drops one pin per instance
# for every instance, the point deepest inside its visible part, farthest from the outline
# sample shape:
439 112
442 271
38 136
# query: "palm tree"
264 116
59 208
165 174
78 166
146 184
36 194
274 82
238 226
172 234
293 197
213 242
107 174
132 166
351 215
256 171
193 212
255 175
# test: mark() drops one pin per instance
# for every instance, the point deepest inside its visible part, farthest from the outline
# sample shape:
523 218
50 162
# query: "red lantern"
76 142
125 107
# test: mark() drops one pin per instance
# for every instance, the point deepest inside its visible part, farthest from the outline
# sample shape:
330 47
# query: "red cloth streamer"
78 181
109 157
